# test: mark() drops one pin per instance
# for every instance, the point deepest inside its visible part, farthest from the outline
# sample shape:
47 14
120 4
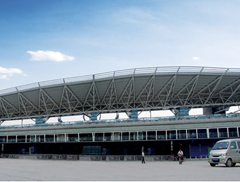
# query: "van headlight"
223 155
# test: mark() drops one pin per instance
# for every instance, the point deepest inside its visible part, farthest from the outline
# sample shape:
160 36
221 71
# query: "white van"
225 152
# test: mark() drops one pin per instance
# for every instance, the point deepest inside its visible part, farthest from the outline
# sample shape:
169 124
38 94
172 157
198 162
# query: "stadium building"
133 91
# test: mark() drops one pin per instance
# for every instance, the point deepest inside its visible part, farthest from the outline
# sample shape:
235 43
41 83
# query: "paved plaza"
57 170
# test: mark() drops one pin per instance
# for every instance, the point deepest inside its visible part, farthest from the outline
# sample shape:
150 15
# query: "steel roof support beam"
162 91
215 87
128 95
92 98
47 104
69 101
110 97
25 105
147 93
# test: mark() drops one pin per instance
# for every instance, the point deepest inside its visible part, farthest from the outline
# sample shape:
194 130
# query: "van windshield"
220 145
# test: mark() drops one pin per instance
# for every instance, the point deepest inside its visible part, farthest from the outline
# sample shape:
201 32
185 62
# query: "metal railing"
89 157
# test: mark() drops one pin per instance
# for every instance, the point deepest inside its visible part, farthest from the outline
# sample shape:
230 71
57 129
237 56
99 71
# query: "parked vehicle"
225 152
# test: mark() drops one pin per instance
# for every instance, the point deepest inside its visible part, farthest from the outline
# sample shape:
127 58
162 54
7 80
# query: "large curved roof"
120 91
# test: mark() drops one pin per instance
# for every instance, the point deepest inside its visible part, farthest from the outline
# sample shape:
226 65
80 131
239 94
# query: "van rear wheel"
229 163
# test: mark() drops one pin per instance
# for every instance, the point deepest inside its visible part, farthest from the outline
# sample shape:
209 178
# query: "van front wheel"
229 163
213 165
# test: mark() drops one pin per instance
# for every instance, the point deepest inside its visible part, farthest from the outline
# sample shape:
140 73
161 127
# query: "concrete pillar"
133 114
207 111
93 116
181 112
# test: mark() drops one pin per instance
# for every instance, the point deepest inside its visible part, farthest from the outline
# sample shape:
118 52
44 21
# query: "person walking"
180 156
143 160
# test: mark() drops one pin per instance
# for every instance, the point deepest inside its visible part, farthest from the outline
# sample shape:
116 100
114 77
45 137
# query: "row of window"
126 136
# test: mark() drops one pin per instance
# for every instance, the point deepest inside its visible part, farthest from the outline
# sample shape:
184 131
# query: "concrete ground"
62 170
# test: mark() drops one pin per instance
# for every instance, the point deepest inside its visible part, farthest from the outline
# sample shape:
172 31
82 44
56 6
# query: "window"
133 135
72 137
151 135
98 136
161 135
232 132
181 134
125 136
49 138
191 134
233 145
238 145
213 133
117 136
202 133
223 132
171 134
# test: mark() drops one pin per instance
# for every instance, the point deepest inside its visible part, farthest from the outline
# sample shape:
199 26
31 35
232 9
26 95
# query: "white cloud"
195 58
49 56
5 73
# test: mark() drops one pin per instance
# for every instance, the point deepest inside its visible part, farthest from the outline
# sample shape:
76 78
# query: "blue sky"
50 39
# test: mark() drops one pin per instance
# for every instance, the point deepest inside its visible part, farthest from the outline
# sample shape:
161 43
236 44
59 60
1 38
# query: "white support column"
238 131
196 133
156 135
65 136
93 137
166 134
176 135
186 134
44 139
35 138
208 136
54 139
78 138
218 132
25 138
146 135
227 132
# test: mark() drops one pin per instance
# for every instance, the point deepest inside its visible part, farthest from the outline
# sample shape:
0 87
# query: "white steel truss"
146 91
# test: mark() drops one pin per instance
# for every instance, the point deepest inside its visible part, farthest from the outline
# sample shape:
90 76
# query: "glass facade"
151 135
181 134
21 138
117 136
133 135
161 135
191 134
126 136
98 136
83 137
202 133
213 133
223 132
232 132
72 137
12 139
40 138
49 138
171 134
